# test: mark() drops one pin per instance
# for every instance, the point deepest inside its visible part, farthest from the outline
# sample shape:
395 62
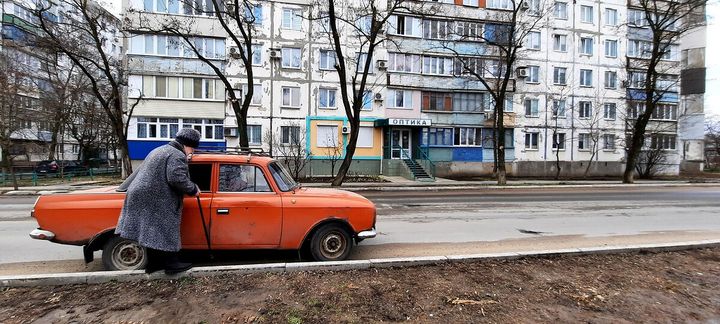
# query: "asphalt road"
412 223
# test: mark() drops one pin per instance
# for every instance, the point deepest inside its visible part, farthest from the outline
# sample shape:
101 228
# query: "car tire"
123 254
330 242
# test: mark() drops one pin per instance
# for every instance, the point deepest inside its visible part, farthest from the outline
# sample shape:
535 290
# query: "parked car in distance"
247 201
54 166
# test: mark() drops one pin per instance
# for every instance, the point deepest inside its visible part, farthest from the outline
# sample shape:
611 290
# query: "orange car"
248 202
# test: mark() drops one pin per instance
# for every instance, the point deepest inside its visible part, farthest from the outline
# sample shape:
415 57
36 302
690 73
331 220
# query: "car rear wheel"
330 242
123 254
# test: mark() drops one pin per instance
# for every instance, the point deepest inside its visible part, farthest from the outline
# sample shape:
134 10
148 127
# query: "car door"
191 232
246 212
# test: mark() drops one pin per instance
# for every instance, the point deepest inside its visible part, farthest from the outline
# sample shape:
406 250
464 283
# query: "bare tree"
289 143
504 36
665 22
362 25
80 29
15 86
238 19
712 142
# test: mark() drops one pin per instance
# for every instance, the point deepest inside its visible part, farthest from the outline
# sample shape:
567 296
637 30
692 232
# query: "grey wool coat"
153 205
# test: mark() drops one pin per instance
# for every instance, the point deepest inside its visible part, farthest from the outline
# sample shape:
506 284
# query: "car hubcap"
128 255
333 245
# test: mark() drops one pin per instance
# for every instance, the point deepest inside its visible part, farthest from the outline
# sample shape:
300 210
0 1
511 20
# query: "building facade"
574 87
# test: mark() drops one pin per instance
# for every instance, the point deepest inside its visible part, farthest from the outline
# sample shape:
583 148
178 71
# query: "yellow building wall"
375 151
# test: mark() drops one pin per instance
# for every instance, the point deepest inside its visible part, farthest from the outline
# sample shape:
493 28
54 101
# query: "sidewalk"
401 184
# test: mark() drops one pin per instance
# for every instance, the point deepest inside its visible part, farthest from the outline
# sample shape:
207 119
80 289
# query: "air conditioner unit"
275 53
231 132
234 52
378 96
382 64
346 129
237 85
522 72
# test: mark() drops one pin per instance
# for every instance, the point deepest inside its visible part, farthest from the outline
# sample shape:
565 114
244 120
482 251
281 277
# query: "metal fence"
35 177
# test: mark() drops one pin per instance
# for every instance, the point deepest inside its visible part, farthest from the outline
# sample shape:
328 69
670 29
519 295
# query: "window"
436 29
610 111
637 79
560 43
437 65
466 30
468 136
610 80
635 109
663 141
405 25
638 48
558 141
291 57
498 33
327 60
254 14
257 93
169 87
363 25
327 98
531 108
367 100
208 128
362 60
611 48
327 136
665 112
559 75
399 62
585 110
366 137
291 97
670 52
254 134
242 178
636 18
584 141
534 7
438 136
586 78
399 99
586 14
586 46
558 110
437 101
500 4
533 40
292 19
609 142
531 141
610 17
290 135
561 11
257 50
468 102
470 3
533 74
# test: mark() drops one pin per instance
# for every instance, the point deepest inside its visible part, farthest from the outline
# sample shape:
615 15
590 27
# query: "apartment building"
33 129
574 86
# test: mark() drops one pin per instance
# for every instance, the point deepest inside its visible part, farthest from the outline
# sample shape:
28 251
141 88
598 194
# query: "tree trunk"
349 152
501 174
241 117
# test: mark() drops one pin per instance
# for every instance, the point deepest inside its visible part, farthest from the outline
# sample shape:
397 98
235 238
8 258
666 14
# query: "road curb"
137 275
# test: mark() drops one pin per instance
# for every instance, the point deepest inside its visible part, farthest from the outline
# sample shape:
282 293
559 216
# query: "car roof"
215 157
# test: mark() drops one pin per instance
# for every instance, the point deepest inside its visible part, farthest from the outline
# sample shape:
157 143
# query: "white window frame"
366 137
587 14
532 107
609 111
288 53
291 19
609 142
560 43
533 74
610 80
558 13
558 109
586 78
611 17
324 139
611 48
395 96
292 93
328 56
584 140
558 142
529 141
330 95
556 75
585 110
587 46
534 38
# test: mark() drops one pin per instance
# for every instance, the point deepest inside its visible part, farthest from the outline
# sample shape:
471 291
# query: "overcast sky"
712 55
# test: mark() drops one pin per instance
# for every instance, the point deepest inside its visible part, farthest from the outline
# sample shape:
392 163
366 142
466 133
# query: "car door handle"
223 211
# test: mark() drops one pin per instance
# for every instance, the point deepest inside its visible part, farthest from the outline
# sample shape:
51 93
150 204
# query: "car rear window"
242 178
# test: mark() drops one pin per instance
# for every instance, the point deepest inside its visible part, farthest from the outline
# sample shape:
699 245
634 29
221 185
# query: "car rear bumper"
367 234
40 234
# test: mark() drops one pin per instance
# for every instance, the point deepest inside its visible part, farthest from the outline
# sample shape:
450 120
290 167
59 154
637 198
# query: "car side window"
242 178
201 175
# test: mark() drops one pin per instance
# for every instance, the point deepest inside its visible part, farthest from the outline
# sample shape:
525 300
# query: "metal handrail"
426 160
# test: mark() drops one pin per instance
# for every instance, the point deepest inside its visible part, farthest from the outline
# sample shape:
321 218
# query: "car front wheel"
123 254
330 242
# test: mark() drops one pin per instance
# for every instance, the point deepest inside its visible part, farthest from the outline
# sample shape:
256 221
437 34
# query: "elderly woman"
153 205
